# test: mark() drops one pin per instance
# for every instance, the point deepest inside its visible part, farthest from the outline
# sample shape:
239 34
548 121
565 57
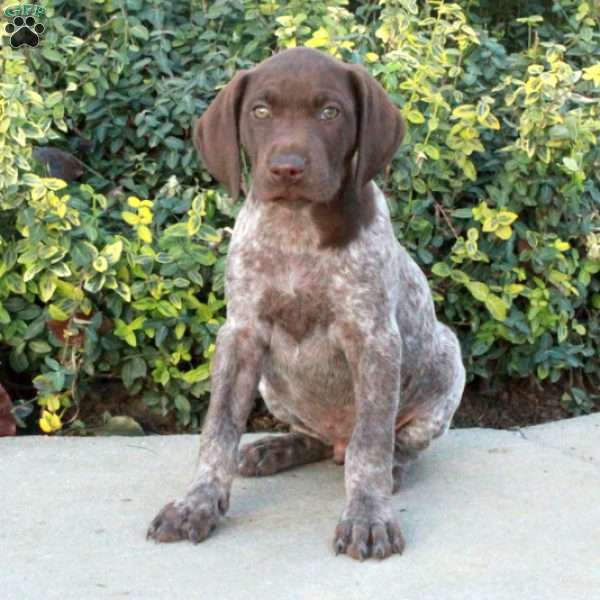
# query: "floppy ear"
216 135
380 126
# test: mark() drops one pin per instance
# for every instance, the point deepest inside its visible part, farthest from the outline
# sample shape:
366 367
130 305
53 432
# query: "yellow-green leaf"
490 121
100 264
592 74
570 164
53 402
319 39
383 33
130 218
459 276
469 170
198 374
441 269
497 307
47 286
482 212
489 224
419 185
466 111
514 288
137 323
57 313
38 191
414 116
193 224
144 215
56 422
432 151
124 291
49 422
129 337
89 88
506 217
503 232
479 290
44 424
53 183
144 234
113 251
69 290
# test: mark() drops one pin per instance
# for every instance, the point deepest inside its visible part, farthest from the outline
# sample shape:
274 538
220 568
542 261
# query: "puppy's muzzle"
287 168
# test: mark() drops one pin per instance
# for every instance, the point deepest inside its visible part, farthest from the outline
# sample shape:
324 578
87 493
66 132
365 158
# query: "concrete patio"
486 514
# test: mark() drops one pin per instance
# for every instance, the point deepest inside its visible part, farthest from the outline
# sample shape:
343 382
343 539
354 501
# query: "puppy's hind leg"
270 455
437 397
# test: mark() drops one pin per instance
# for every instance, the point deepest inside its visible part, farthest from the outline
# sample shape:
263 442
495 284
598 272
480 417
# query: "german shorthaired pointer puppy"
328 317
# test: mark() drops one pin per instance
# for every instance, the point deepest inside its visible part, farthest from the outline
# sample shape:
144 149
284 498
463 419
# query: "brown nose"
287 167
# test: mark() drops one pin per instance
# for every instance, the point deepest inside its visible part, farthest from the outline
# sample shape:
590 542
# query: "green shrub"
495 191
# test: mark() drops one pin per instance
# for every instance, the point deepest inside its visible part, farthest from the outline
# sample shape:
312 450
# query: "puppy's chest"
298 302
294 293
298 312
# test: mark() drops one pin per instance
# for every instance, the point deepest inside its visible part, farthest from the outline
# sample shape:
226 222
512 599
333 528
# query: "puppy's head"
301 116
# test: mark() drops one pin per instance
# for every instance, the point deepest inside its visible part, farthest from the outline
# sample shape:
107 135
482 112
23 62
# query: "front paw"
368 532
191 518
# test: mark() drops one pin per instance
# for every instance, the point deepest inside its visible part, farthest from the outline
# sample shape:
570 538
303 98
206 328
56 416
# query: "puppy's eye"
261 112
329 113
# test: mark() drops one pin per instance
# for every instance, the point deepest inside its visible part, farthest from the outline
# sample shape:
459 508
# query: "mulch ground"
518 405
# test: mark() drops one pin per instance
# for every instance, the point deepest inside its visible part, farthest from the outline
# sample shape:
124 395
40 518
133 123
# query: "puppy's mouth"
292 193
288 193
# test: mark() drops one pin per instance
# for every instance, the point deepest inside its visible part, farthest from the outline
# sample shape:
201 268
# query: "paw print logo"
24 32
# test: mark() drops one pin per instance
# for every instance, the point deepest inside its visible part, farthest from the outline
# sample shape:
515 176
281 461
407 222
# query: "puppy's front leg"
236 370
368 526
